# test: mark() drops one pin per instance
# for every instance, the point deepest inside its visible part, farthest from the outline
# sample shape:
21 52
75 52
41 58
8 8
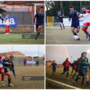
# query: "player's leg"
38 31
63 71
74 74
87 80
8 29
9 76
60 25
84 28
63 25
67 69
72 71
2 76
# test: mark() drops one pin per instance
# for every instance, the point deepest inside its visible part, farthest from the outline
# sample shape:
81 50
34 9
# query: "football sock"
75 34
2 76
85 30
77 78
67 74
87 82
9 81
73 75
38 33
61 26
83 79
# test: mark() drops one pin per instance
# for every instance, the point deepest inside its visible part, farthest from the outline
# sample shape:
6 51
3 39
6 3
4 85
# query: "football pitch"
62 79
17 39
25 71
54 35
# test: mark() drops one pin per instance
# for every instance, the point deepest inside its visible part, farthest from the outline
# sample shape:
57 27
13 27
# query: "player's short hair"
71 6
41 8
67 58
11 56
83 7
83 53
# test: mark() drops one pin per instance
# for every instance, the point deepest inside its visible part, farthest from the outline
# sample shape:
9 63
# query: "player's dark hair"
83 7
41 7
83 53
11 56
66 58
71 6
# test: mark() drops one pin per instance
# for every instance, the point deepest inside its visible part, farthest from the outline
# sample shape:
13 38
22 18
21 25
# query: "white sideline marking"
63 84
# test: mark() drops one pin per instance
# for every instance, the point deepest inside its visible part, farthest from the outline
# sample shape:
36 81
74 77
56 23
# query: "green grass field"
54 35
62 78
17 39
25 71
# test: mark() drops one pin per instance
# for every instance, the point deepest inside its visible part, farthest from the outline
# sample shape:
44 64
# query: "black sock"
9 81
73 75
83 80
38 33
53 74
75 34
76 78
87 82
67 74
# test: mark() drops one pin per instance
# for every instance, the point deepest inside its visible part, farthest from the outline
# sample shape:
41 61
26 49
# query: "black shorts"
82 74
5 70
37 25
75 25
66 69
54 69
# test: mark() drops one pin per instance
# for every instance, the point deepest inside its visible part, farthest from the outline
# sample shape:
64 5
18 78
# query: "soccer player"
83 69
77 66
24 61
2 71
54 64
73 67
66 65
60 19
39 21
7 24
86 23
7 63
75 21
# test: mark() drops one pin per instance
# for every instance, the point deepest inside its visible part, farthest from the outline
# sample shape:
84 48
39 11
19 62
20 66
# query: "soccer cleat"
87 35
10 85
3 84
89 39
67 78
35 38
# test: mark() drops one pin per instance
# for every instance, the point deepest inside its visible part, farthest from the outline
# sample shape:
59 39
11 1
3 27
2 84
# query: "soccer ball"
76 37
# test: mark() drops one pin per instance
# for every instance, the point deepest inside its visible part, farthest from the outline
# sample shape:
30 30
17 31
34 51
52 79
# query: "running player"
66 65
7 24
60 19
75 21
39 21
77 66
2 71
83 69
7 63
86 23
54 64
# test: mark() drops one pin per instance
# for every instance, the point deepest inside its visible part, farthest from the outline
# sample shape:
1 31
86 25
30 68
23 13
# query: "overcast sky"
60 53
28 50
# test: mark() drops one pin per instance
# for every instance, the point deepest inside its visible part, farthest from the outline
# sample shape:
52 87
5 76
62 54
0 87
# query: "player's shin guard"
85 30
75 34
2 76
9 81
67 74
87 82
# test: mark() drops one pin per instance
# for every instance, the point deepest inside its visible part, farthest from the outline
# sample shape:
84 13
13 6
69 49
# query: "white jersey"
86 16
7 21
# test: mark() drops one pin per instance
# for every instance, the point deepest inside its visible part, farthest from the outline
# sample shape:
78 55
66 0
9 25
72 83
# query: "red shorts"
86 24
1 69
7 26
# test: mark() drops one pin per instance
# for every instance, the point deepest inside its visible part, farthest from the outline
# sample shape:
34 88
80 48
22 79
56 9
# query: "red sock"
2 76
85 30
89 35
8 30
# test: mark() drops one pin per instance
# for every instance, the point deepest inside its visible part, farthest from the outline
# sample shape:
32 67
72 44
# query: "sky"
60 53
28 50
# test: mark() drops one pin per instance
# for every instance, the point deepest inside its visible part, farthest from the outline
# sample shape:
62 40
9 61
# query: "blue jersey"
74 17
53 65
39 18
60 18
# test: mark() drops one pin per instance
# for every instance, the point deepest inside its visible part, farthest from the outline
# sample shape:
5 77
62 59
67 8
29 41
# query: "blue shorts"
61 20
54 69
75 25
